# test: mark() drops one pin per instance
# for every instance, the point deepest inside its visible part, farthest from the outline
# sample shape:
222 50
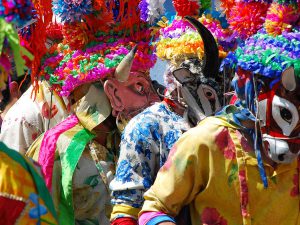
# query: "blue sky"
158 70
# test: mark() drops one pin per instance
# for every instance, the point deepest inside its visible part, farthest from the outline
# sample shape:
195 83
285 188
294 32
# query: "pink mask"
129 92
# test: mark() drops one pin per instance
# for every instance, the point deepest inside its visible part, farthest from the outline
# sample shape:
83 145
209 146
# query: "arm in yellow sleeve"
183 176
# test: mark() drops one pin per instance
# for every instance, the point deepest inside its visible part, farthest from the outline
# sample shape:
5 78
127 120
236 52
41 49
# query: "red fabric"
233 99
124 221
10 210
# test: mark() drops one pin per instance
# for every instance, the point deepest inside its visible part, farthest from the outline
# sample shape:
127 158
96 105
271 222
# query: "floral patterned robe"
213 169
145 145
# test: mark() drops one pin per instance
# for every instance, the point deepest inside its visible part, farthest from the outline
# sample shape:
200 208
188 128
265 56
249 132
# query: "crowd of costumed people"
87 137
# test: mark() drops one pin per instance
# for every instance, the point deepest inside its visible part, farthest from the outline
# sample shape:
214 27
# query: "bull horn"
123 69
211 52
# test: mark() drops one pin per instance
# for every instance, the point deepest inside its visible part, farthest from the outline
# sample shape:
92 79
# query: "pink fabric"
147 216
48 147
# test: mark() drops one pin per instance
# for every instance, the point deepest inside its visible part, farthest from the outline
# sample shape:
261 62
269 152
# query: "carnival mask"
129 92
199 88
279 112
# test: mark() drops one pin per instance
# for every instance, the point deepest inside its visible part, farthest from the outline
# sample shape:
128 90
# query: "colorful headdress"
89 53
180 40
267 55
66 69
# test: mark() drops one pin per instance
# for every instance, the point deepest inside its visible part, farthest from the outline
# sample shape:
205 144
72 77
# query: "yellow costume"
24 198
213 169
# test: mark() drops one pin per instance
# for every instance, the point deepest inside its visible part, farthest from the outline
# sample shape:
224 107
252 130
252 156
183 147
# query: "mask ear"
182 75
14 90
288 79
112 92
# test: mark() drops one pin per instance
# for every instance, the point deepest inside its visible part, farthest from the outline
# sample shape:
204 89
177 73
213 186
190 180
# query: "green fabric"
39 182
7 31
69 162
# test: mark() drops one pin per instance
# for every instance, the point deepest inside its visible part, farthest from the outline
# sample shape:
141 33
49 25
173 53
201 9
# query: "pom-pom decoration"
76 35
18 12
72 10
280 18
226 6
225 37
247 18
187 7
267 55
151 10
54 31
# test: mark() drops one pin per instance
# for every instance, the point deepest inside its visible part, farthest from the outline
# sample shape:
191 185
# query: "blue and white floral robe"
144 148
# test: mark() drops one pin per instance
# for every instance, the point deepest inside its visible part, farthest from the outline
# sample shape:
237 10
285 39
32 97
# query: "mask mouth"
278 150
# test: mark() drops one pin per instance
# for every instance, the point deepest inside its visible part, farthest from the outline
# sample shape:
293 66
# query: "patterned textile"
27 119
213 165
144 148
24 198
66 153
73 172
